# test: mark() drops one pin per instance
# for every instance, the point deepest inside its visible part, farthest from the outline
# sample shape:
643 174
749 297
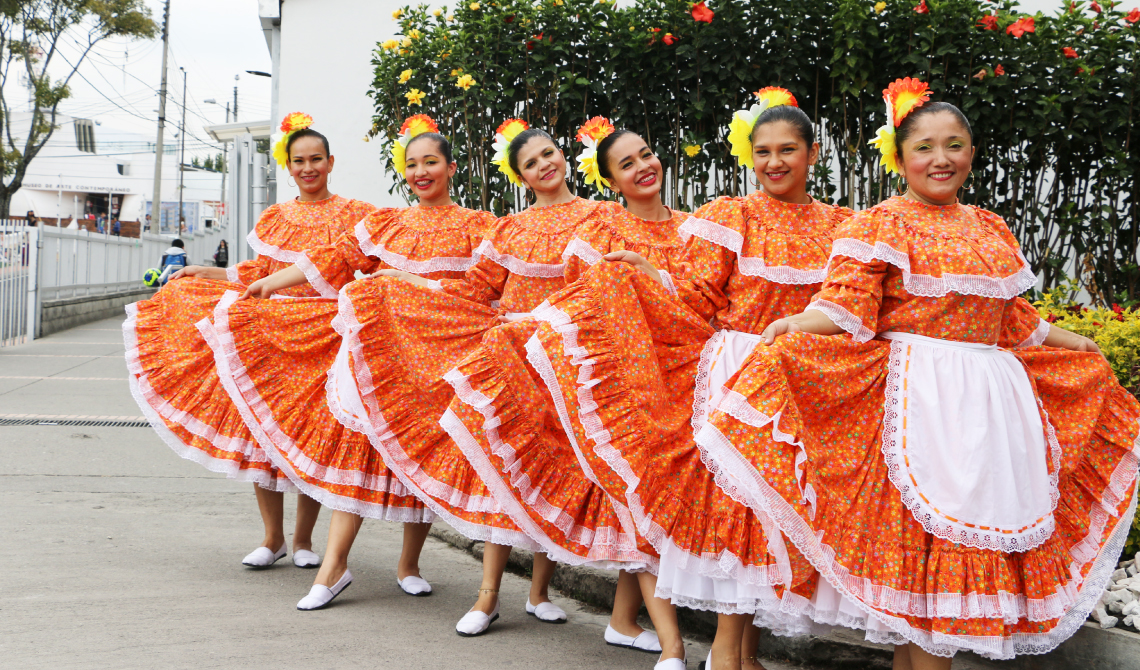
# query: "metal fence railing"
40 264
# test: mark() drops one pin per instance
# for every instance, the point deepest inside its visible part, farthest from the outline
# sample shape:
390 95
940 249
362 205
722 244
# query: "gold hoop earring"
328 181
755 182
901 185
291 182
969 185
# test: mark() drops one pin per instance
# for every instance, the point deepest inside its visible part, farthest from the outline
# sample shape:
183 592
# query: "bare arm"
415 280
1064 339
278 281
811 321
201 271
637 261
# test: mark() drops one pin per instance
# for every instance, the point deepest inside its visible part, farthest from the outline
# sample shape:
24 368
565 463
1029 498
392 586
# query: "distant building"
86 171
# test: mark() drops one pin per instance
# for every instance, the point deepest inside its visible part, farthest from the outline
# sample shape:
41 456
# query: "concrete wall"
326 70
57 315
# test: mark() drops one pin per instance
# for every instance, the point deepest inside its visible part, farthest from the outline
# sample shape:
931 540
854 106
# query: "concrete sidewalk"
119 554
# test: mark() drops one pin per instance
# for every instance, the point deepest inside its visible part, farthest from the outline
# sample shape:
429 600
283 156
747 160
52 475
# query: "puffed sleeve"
709 260
852 295
483 282
331 266
247 272
1021 325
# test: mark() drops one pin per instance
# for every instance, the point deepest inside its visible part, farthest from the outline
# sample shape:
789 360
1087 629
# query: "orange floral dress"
955 484
503 417
274 356
401 340
172 369
631 362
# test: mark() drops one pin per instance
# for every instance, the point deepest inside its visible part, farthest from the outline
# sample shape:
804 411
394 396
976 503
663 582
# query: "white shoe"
707 663
546 612
263 557
476 623
415 586
645 641
674 664
303 558
321 595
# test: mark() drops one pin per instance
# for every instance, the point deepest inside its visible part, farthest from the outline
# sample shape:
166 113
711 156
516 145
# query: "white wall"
326 71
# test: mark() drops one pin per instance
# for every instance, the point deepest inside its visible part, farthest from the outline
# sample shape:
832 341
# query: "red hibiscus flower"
1051 318
1133 16
988 22
1021 26
655 30
509 19
1117 308
669 39
922 8
702 13
999 71
1095 7
1069 52
531 42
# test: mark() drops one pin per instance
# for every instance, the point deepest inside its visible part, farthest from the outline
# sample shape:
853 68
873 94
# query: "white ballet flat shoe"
645 641
546 612
303 558
476 623
415 586
672 664
707 663
263 557
320 595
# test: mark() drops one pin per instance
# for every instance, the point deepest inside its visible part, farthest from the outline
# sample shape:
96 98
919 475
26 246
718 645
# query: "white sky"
214 40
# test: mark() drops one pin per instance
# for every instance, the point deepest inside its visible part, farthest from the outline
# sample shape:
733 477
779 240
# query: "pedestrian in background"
222 255
115 228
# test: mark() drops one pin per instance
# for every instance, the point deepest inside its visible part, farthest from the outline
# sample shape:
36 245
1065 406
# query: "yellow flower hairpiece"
590 135
743 121
903 96
289 125
413 126
507 131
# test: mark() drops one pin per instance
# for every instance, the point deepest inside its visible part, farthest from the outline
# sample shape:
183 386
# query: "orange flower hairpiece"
903 96
412 126
590 134
506 132
289 125
743 121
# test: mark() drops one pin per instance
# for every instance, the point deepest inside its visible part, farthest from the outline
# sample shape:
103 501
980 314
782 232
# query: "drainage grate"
140 423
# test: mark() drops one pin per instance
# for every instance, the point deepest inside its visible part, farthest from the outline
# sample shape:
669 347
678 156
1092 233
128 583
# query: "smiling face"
781 159
427 171
542 166
310 165
635 170
935 158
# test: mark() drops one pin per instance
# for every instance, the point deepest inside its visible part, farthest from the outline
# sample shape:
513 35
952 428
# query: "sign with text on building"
79 187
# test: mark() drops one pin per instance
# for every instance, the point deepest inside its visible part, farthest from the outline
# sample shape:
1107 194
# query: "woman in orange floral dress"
961 474
501 396
633 363
274 354
172 372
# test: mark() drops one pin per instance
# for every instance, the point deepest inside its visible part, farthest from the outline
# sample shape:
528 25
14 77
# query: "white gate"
18 260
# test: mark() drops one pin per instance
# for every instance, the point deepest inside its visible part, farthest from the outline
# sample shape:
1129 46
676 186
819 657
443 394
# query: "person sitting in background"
173 259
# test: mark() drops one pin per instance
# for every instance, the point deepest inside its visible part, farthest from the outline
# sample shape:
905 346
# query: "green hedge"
1056 129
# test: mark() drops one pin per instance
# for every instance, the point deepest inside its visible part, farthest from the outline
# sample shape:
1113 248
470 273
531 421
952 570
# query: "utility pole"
235 98
156 207
225 168
182 150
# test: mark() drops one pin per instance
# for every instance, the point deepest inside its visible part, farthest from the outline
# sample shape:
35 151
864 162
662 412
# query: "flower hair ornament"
590 134
506 132
413 126
291 124
903 96
743 121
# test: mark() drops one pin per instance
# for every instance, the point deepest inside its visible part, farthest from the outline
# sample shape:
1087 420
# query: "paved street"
119 554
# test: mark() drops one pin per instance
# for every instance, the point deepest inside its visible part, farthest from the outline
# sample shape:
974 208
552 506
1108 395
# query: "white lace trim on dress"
667 282
518 266
401 262
232 274
315 278
1038 336
272 251
1004 288
583 250
844 319
751 266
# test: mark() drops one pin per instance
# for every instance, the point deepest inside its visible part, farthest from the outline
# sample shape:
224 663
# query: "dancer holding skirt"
172 372
961 473
274 355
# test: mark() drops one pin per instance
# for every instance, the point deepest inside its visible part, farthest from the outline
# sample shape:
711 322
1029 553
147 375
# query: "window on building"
85 135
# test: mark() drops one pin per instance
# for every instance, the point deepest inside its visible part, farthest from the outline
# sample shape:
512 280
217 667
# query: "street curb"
1091 648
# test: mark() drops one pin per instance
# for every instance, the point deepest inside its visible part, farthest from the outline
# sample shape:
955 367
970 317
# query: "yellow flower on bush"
437 13
456 72
879 7
389 45
474 6
450 18
693 150
414 33
405 43
465 82
405 76
415 96
558 3
397 14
